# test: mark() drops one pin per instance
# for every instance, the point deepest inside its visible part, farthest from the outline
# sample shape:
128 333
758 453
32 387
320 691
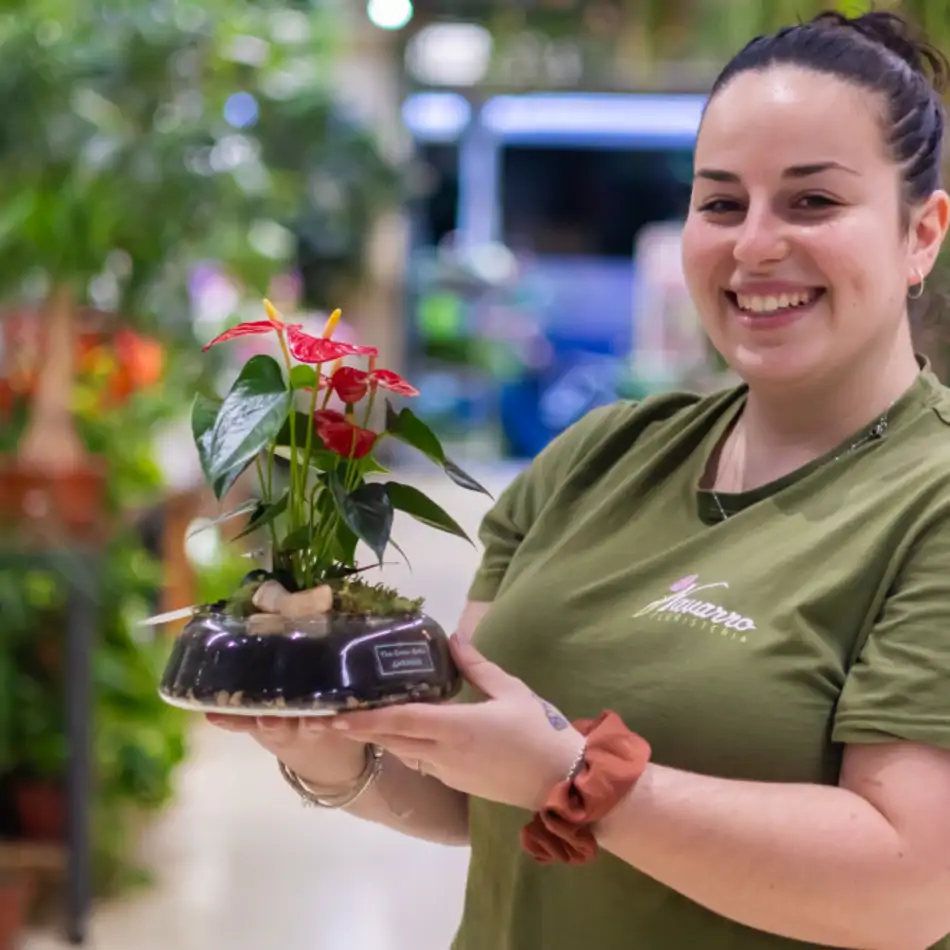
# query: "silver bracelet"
310 797
578 764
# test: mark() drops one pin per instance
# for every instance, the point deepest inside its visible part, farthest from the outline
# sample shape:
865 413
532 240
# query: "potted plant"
16 891
305 634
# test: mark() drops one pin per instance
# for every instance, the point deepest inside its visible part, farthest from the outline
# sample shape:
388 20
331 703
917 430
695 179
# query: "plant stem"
265 491
310 428
293 501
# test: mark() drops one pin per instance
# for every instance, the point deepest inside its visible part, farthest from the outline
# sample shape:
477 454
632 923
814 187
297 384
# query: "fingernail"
339 723
314 724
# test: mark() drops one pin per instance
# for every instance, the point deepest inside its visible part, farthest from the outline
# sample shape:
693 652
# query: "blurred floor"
241 865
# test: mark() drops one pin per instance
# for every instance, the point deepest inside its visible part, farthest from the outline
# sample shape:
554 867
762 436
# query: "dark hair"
879 52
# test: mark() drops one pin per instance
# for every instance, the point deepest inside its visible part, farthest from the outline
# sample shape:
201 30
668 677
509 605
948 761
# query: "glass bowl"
269 666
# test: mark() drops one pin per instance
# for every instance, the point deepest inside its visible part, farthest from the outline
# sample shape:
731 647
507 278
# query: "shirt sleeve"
509 520
899 686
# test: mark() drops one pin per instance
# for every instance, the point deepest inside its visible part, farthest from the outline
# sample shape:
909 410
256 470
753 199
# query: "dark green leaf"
301 421
344 545
409 428
367 511
265 514
297 540
463 478
303 377
204 414
413 502
251 416
405 556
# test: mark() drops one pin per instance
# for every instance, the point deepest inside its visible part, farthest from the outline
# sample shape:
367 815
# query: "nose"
760 239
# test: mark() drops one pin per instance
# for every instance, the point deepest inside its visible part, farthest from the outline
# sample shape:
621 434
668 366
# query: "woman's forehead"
786 116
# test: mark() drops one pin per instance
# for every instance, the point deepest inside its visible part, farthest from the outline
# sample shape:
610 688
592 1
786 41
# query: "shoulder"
626 422
609 434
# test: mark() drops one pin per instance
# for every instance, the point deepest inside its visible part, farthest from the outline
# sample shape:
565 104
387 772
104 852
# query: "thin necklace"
872 435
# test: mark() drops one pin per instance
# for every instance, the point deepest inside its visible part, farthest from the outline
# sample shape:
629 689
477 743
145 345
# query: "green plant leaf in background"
367 511
251 416
419 506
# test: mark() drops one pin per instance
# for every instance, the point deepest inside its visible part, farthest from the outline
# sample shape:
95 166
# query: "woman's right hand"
326 760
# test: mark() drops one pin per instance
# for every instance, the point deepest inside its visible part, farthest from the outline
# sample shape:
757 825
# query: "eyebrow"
793 171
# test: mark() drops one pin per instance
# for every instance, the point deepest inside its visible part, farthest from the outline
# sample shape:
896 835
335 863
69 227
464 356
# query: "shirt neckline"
924 391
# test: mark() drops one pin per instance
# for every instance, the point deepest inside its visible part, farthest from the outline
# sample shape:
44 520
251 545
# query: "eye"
814 203
721 206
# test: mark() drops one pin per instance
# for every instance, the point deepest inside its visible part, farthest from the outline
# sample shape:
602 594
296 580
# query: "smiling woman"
740 602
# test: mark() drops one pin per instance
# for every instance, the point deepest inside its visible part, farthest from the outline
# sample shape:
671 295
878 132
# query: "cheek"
705 256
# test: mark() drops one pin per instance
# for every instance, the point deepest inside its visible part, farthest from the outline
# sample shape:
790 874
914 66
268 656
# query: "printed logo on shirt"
683 604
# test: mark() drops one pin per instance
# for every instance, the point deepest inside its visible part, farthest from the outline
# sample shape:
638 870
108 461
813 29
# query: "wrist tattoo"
555 718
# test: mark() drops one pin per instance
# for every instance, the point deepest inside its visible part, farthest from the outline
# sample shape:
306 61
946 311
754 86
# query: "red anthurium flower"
341 436
387 379
315 349
350 384
242 329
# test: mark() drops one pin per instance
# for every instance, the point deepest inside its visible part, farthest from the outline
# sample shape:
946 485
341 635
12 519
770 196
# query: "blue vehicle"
523 263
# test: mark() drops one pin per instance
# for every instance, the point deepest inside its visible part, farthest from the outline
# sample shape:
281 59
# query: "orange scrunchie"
614 760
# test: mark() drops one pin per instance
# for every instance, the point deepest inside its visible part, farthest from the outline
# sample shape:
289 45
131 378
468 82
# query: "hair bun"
899 36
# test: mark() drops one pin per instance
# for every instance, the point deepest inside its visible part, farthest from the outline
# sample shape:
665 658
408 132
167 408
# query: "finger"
490 678
412 720
232 723
277 732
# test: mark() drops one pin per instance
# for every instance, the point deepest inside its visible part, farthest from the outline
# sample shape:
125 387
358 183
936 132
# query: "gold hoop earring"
917 291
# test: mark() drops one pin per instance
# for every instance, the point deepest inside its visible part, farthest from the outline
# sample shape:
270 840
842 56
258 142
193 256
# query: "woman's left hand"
513 747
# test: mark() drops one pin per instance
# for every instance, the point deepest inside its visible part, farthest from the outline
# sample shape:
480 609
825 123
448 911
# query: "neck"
783 430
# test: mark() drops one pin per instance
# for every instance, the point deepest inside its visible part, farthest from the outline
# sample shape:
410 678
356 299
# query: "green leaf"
409 428
298 540
367 511
250 418
413 502
303 377
301 421
241 509
463 479
367 465
204 414
344 545
265 514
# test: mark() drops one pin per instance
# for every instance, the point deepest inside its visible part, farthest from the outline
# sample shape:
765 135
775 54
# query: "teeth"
758 304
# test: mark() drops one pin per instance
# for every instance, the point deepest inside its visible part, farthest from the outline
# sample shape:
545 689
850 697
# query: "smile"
772 310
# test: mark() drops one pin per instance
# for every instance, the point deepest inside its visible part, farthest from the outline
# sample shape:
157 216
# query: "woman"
757 582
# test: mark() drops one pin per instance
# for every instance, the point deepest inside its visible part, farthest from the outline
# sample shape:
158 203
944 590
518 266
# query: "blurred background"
491 190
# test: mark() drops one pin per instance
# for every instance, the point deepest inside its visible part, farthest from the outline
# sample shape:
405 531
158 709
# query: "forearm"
814 863
415 804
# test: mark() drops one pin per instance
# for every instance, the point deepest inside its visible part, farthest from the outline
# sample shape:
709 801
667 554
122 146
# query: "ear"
928 228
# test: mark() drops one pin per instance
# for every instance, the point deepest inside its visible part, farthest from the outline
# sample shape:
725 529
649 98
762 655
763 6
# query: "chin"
775 366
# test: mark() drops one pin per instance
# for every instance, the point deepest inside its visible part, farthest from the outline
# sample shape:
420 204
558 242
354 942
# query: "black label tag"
399 658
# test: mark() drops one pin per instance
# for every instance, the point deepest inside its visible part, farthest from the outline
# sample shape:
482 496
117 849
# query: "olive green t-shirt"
753 648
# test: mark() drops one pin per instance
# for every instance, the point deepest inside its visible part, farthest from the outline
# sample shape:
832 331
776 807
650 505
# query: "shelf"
33 856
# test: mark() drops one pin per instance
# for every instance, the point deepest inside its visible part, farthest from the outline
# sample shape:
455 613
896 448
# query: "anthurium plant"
336 492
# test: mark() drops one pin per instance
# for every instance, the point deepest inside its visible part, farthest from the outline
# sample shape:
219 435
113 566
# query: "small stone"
306 604
270 596
237 699
352 702
223 698
281 703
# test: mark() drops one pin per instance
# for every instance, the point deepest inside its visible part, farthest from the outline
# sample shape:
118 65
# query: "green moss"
354 596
